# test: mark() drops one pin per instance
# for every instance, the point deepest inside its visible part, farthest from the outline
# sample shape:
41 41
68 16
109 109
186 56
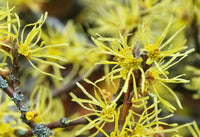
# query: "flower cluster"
123 56
143 66
147 64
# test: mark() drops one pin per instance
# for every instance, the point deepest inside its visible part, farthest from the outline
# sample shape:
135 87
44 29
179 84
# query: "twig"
15 67
62 123
68 87
126 105
18 99
14 92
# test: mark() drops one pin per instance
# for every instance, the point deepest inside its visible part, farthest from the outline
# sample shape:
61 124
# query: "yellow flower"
124 56
148 124
100 108
29 49
31 115
159 49
24 47
157 76
127 62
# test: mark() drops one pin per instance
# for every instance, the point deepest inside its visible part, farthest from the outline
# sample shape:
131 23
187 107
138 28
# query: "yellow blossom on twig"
160 49
29 49
103 110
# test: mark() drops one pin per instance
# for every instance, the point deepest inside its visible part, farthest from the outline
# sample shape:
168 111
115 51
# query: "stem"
19 105
59 124
126 105
15 67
